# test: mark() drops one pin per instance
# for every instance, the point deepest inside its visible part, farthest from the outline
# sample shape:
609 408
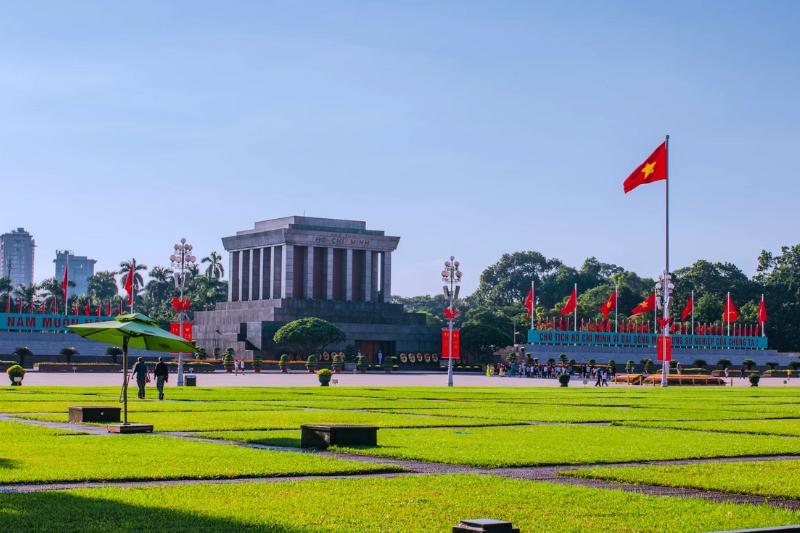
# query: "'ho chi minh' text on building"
294 267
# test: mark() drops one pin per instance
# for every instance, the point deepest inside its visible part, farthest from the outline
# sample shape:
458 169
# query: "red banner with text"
446 344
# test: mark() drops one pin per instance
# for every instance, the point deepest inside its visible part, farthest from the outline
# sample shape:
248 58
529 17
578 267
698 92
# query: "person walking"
139 371
161 373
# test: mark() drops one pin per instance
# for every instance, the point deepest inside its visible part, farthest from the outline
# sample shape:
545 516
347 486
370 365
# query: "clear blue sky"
467 128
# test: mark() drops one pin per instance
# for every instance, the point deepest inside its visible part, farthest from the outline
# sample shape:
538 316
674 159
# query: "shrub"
794 365
699 363
563 379
227 360
551 361
591 362
563 358
338 361
748 364
201 353
21 352
324 372
68 353
114 352
724 363
256 362
754 378
387 362
629 366
361 362
612 366
284 360
311 363
772 365
647 365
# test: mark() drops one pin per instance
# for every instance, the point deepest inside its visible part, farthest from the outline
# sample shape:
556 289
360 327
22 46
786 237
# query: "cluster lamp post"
182 259
451 277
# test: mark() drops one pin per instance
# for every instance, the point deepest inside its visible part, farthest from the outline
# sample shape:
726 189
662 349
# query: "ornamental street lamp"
451 277
182 260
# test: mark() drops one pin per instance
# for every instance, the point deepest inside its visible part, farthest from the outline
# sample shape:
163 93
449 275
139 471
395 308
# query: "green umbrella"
132 331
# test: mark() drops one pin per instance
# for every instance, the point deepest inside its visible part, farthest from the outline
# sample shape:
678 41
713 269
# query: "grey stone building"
81 268
293 267
16 257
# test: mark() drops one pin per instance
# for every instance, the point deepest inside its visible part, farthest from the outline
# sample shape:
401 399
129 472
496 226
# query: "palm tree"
26 293
125 267
214 268
103 285
54 290
5 286
160 286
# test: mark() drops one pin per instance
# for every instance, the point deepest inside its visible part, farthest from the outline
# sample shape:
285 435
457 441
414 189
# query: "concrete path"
375 379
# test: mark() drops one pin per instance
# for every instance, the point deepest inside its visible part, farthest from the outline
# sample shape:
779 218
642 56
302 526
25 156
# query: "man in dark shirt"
139 370
161 373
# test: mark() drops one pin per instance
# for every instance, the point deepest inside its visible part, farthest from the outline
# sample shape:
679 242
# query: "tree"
780 276
26 293
5 285
161 286
68 353
481 340
214 269
54 290
699 363
309 335
724 363
103 285
125 268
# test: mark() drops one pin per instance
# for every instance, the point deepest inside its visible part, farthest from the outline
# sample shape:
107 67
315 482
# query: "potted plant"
563 378
283 363
387 363
324 376
227 360
362 364
201 353
311 363
15 374
338 363
21 352
612 367
754 378
256 363
629 366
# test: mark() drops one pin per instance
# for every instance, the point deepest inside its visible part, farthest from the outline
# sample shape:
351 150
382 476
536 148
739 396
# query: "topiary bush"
338 362
114 352
772 365
362 364
699 363
227 360
324 376
256 363
387 363
68 353
15 374
311 363
283 363
754 379
629 366
748 364
724 363
563 379
21 352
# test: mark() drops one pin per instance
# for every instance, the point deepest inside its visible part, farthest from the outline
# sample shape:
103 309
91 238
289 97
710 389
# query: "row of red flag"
630 326
729 315
41 307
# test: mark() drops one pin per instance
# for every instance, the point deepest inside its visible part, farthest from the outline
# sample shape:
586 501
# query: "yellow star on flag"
648 169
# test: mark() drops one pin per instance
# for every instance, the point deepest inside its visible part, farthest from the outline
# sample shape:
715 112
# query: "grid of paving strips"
291 418
416 504
567 444
39 455
787 427
763 478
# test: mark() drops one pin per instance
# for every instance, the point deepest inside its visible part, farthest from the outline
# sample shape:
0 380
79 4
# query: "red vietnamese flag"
529 302
609 305
689 307
653 169
65 283
762 311
98 309
108 308
571 303
648 304
8 304
86 309
730 314
129 282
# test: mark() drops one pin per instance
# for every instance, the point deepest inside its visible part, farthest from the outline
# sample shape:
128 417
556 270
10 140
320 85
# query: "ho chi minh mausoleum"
294 267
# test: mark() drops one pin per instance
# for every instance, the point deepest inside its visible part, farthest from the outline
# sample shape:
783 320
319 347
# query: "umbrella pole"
125 380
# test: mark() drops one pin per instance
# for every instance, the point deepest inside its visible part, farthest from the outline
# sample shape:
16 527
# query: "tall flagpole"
616 307
692 319
575 311
728 313
65 289
665 366
759 317
533 301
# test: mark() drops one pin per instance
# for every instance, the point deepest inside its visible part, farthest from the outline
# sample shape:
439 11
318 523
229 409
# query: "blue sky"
467 128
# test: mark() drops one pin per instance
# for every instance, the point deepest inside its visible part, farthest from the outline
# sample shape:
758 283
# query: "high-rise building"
16 257
81 268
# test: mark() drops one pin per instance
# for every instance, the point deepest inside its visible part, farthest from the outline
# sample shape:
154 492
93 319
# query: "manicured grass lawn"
421 504
542 445
37 455
790 427
290 418
763 478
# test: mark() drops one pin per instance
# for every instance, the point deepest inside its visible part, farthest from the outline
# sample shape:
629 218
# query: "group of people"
601 375
140 373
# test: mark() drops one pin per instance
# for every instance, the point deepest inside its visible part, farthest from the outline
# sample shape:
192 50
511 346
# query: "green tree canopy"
481 340
308 335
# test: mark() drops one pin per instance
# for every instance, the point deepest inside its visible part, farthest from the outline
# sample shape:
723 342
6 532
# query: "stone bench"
93 413
485 525
324 435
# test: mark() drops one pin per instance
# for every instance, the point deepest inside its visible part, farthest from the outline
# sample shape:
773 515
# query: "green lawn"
421 504
789 427
36 455
763 478
542 444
